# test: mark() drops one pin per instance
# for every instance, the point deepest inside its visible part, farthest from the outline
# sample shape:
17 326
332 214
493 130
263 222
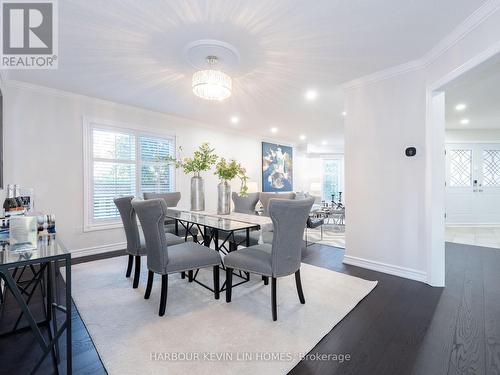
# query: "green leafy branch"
202 160
228 170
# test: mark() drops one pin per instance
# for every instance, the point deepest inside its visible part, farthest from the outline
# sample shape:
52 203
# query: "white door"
473 184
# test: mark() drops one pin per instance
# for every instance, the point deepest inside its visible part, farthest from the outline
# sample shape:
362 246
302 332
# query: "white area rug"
132 339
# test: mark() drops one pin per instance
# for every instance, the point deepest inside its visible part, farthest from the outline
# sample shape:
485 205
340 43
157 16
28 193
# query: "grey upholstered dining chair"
172 200
135 244
283 256
242 205
267 236
164 259
265 197
246 204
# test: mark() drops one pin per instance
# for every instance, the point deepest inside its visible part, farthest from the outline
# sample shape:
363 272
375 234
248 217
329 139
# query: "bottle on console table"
10 203
13 204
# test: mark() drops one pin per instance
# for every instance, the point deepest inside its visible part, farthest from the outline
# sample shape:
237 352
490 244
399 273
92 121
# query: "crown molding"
462 30
459 33
385 74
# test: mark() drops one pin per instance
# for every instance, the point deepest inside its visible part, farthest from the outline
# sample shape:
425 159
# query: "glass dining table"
22 273
217 230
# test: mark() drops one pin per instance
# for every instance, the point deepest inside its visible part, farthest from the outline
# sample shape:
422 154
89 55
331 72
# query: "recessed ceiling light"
465 121
274 130
235 119
311 95
324 143
460 107
344 113
302 137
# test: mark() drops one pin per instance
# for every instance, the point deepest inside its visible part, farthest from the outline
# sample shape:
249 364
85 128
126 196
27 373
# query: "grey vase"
224 201
197 193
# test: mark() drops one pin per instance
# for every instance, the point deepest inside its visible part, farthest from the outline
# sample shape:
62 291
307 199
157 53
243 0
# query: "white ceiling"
479 90
131 51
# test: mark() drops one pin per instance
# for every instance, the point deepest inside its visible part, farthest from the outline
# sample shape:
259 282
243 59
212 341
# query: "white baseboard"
98 249
407 273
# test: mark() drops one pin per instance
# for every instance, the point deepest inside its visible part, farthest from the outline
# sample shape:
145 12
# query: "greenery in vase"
202 160
228 170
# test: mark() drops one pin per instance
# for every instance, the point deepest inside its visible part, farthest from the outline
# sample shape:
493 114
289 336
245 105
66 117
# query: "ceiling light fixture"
211 84
274 130
324 143
235 119
460 107
311 95
465 121
302 137
344 113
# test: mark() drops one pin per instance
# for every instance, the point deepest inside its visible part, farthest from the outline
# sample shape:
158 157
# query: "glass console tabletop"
47 248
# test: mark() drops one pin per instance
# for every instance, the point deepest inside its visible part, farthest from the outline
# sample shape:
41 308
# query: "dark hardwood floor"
402 327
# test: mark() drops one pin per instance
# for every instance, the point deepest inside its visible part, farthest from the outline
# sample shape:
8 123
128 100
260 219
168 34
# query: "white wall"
385 201
395 205
44 150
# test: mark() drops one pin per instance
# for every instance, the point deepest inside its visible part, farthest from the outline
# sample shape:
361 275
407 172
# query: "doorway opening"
464 183
472 160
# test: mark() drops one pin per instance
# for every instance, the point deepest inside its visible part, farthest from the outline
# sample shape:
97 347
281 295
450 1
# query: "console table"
42 264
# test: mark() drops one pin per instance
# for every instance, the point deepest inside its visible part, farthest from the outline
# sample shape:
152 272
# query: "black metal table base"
224 245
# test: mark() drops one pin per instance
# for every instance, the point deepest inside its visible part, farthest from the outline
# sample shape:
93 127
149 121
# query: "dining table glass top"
206 220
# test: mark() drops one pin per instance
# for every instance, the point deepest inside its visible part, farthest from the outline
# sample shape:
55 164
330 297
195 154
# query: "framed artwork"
277 167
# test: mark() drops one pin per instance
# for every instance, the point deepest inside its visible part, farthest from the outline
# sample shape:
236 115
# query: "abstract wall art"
277 167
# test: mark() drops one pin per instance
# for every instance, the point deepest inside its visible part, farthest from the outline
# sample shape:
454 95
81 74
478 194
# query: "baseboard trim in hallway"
407 273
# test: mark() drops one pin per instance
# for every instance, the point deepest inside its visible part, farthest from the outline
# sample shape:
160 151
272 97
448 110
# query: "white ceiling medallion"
209 82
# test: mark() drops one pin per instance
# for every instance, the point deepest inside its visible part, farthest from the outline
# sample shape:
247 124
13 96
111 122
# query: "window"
332 179
123 162
460 168
491 168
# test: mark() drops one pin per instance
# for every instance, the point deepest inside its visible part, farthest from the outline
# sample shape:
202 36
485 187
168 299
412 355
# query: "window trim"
89 124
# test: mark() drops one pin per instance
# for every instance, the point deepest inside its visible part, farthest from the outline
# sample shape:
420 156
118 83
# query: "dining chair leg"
163 296
137 273
299 287
229 283
183 275
216 282
265 279
190 276
129 265
150 284
273 299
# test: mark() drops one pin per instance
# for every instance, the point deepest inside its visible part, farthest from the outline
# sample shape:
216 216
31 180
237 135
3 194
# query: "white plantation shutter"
125 162
156 174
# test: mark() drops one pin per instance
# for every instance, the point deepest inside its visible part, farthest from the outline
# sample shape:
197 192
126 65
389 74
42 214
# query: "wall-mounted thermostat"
411 151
